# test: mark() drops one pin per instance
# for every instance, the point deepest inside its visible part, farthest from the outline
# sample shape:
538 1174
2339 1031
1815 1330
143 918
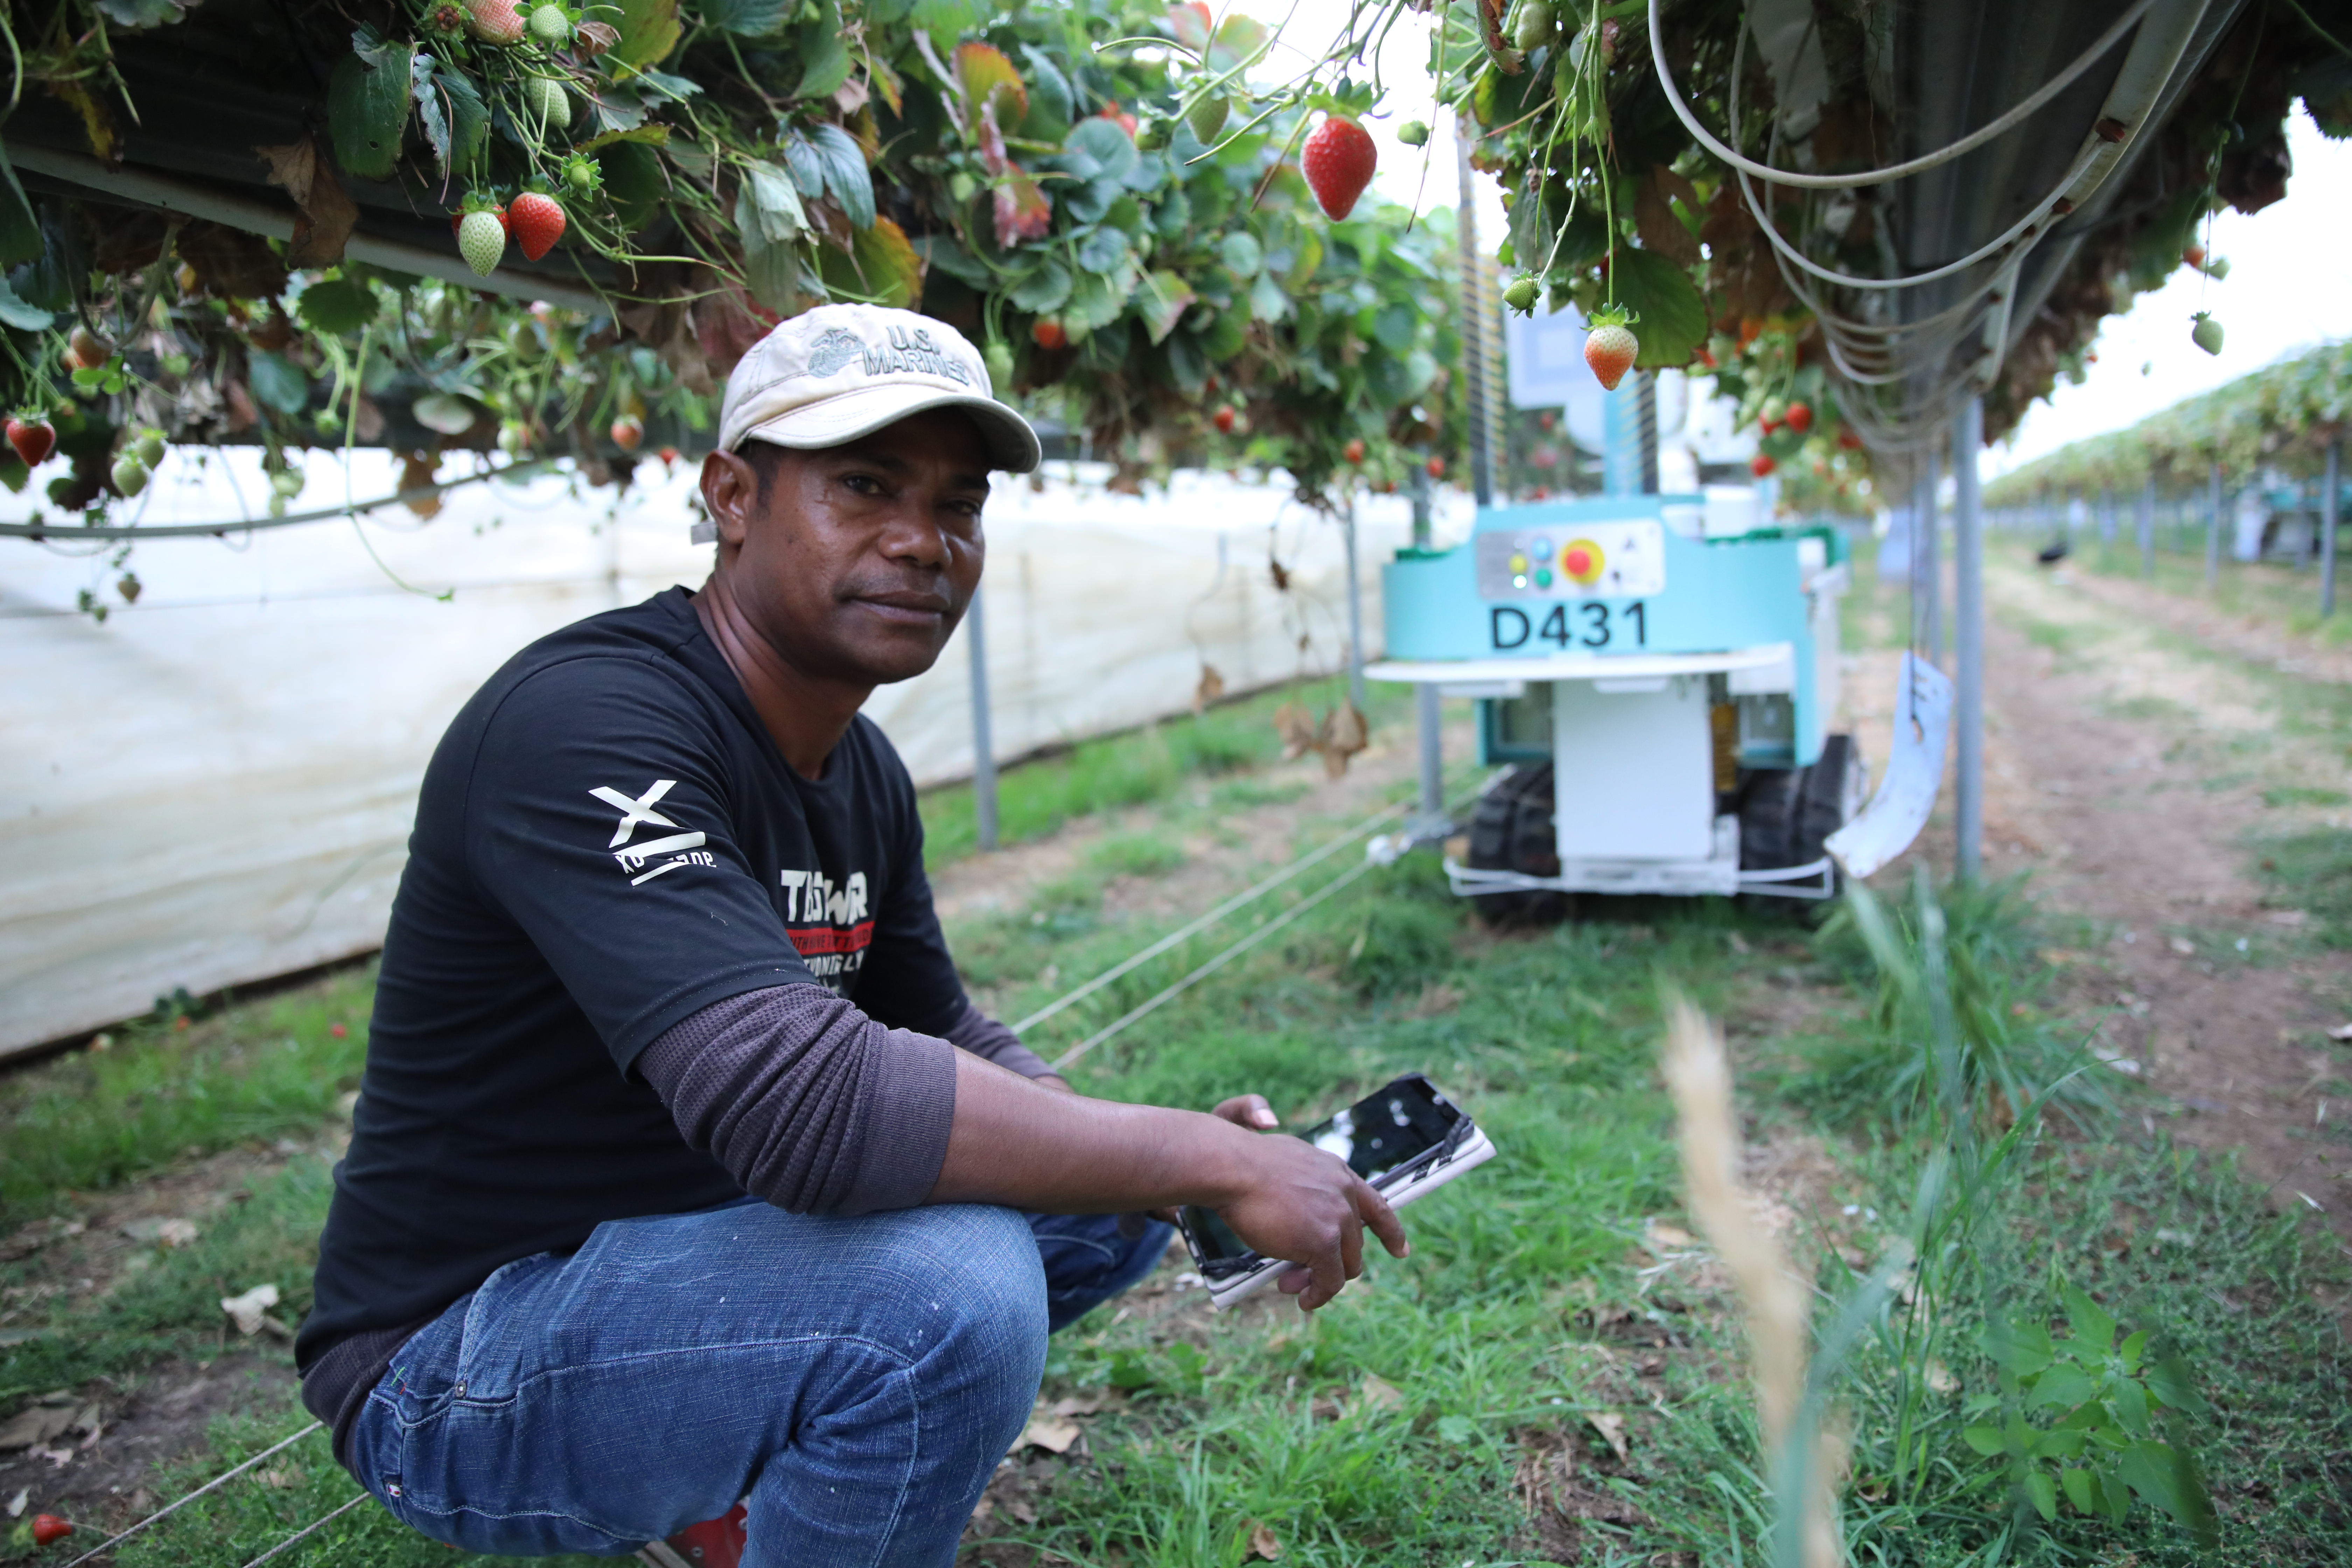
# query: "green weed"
2301 794
1135 855
2147 707
1886 1073
2311 870
170 1304
254 1072
1136 768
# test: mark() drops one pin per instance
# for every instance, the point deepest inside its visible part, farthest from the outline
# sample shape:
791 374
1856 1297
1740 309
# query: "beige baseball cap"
838 372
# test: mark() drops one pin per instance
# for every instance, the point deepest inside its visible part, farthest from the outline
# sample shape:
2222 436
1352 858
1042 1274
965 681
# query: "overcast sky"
2290 283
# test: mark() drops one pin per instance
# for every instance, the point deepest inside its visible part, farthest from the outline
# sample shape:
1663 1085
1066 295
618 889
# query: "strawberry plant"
1126 230
2100 1451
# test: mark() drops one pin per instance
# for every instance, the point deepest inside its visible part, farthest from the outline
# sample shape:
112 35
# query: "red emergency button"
1582 560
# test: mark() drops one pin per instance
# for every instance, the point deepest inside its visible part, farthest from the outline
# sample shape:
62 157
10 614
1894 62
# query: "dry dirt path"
2130 737
1221 851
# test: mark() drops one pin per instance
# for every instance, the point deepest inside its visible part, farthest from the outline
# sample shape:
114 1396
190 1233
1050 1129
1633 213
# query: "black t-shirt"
607 840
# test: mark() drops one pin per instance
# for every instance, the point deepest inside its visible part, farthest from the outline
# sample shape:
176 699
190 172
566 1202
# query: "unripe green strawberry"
1521 295
481 241
1208 117
549 103
129 474
150 447
582 174
1414 134
2206 334
1534 25
999 355
549 26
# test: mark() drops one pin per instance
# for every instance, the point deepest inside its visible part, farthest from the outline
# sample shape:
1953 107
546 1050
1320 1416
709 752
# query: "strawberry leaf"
649 29
368 97
1672 310
881 268
751 18
825 55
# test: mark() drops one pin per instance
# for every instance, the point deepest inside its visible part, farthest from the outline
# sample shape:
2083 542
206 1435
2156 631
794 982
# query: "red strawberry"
1049 335
1848 440
1760 465
536 223
1610 348
337 1030
627 433
34 439
48 1529
1224 419
2194 256
668 455
1338 161
1436 467
1354 450
1800 417
1127 121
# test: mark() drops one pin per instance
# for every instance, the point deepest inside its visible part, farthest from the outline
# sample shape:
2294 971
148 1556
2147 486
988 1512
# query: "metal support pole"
2146 521
984 741
1355 613
1475 310
1968 551
2213 529
1927 564
1426 716
2329 503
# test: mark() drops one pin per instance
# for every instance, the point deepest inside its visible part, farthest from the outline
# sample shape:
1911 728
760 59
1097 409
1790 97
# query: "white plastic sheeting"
215 785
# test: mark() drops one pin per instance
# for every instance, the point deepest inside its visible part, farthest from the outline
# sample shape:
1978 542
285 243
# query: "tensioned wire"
1170 992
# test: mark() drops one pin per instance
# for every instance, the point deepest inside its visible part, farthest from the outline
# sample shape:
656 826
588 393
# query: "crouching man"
683 1172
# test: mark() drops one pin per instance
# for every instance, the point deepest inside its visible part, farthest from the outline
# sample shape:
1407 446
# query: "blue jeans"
853 1380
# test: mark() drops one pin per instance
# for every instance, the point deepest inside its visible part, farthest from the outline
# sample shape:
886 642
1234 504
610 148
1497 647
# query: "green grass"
2275 593
1137 767
2312 871
2302 794
1135 855
160 1091
168 1302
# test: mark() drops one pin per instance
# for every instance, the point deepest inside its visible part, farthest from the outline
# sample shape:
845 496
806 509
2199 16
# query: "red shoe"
713 1544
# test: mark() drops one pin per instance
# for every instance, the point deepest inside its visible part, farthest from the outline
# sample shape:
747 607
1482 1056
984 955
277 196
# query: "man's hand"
1249 1111
1026 1146
1307 1207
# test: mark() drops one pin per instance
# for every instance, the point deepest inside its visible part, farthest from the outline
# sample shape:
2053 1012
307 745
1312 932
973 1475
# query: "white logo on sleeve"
683 848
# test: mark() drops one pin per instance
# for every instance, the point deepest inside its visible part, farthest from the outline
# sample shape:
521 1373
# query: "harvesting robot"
1659 672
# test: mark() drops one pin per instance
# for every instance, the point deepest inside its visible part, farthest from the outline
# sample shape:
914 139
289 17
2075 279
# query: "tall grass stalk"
1803 1462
